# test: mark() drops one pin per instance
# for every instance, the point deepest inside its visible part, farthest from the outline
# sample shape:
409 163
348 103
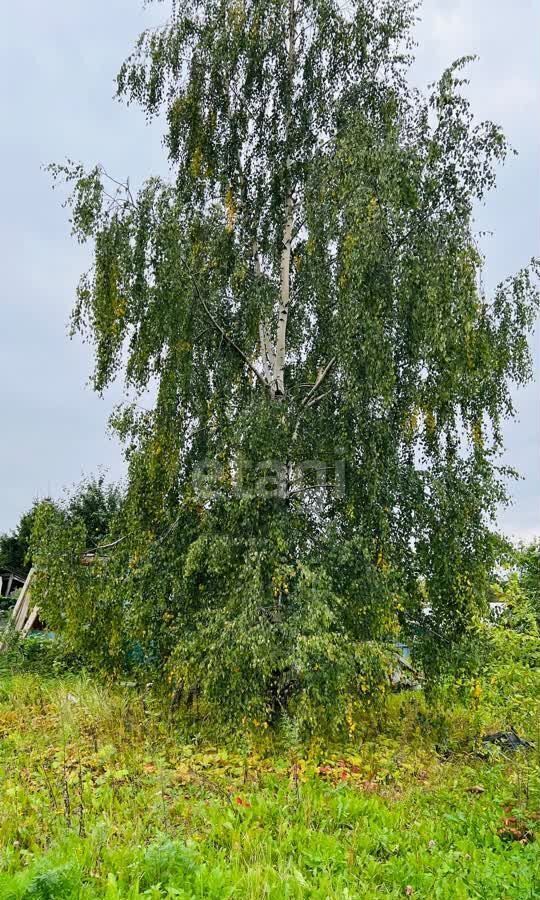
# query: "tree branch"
228 338
220 327
310 399
315 400
322 374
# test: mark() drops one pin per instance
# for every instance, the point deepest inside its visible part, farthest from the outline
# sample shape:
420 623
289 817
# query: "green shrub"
61 883
39 654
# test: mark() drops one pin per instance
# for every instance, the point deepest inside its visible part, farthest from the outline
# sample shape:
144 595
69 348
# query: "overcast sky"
58 61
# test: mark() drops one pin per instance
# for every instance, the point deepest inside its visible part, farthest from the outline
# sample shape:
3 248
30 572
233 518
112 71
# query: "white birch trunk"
278 385
285 299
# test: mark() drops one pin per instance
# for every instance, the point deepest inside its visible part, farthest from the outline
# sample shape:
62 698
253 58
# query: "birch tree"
304 292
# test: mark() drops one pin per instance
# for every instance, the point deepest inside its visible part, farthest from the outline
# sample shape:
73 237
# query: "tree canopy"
14 545
304 293
91 505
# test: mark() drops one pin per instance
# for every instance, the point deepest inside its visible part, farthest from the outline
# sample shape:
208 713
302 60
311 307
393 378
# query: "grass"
102 799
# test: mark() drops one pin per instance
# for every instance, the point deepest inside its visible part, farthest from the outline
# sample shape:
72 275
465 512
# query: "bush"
528 562
38 654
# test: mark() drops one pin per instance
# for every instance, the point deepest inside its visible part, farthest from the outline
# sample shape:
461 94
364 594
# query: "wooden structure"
11 580
25 616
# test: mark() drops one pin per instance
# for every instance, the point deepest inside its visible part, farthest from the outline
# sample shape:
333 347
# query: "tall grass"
104 796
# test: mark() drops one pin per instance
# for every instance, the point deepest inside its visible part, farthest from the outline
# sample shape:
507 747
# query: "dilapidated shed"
11 581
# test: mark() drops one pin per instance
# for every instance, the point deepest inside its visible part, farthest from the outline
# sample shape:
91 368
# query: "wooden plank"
31 621
22 606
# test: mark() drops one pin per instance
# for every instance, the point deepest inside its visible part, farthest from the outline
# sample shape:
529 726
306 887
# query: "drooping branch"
217 324
226 337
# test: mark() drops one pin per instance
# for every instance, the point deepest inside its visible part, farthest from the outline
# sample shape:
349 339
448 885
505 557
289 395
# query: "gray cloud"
58 62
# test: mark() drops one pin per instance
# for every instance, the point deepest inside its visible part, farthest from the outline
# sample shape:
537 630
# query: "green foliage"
15 546
94 504
305 286
500 671
66 541
519 612
528 562
37 654
60 883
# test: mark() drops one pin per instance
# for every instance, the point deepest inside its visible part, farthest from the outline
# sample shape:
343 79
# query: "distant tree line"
92 503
